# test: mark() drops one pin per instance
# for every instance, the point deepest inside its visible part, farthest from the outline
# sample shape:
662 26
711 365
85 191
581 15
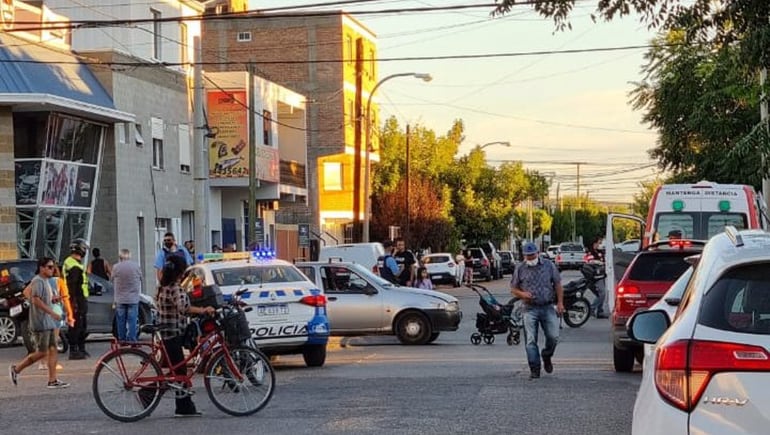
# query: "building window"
185 154
157 153
244 36
156 33
332 176
183 43
267 127
349 49
138 135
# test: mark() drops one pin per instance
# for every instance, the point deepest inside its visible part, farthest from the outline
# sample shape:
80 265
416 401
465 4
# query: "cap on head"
530 248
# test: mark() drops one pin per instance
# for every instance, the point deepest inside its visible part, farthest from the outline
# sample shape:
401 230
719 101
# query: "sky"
555 110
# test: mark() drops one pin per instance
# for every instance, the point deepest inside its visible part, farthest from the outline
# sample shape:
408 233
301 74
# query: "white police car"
288 313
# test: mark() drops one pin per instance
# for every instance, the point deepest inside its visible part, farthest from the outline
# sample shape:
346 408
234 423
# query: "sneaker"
42 366
534 373
13 375
188 414
547 364
57 384
76 356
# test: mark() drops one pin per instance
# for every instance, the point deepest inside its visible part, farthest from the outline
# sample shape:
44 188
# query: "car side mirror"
648 326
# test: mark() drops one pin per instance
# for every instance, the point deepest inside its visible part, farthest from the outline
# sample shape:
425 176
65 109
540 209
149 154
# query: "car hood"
430 293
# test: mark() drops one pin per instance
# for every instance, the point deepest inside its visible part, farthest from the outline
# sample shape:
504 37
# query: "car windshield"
477 253
571 248
739 301
257 274
659 266
366 273
432 259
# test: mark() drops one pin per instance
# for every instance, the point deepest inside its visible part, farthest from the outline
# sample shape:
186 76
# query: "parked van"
702 210
365 254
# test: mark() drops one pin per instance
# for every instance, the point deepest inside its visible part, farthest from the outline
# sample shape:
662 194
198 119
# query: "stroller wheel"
476 338
489 339
509 339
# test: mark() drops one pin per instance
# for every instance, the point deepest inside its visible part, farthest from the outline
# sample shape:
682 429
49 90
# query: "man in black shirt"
406 263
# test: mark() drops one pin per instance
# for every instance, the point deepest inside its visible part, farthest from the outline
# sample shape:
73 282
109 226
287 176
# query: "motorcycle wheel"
577 314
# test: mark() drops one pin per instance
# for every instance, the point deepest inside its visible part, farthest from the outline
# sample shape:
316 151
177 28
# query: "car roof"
226 264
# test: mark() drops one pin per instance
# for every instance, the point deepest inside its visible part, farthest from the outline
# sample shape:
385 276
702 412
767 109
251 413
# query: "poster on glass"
27 181
68 185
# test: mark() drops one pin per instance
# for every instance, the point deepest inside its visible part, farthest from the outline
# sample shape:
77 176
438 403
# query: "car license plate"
16 310
272 310
435 276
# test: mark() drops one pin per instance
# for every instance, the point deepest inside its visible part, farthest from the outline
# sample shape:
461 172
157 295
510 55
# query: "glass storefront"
57 170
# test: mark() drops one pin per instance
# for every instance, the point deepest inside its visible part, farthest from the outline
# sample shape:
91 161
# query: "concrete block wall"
8 249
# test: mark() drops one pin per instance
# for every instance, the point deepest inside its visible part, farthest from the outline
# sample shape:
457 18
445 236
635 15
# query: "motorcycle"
577 309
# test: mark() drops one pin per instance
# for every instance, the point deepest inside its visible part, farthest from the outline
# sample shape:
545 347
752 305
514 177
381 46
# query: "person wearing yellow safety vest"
77 282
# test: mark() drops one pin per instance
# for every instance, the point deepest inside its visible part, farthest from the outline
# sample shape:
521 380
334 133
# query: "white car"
288 314
629 245
442 268
711 370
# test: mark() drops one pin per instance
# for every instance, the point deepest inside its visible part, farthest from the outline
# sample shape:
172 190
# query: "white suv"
288 312
711 368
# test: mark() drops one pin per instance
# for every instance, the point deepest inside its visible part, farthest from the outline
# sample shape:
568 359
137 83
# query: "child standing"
424 281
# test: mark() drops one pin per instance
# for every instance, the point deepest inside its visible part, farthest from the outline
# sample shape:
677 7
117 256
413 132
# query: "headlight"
453 306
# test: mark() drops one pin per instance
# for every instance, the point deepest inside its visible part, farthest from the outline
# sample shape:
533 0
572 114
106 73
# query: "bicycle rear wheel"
245 397
118 387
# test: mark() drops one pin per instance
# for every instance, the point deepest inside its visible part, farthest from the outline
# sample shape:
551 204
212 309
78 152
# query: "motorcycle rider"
77 283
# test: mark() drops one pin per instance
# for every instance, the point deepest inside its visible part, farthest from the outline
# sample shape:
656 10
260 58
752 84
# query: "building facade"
325 58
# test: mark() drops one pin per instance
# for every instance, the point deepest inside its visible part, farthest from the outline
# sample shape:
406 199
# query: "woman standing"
173 309
98 266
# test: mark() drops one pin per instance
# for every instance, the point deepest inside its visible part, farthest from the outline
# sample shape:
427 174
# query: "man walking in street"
43 322
537 283
127 280
407 263
77 283
170 248
387 265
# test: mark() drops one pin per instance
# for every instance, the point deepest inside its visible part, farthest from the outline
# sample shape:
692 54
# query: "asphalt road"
374 385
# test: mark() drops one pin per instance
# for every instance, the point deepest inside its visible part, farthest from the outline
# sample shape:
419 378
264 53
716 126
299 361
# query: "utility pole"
406 179
357 235
200 155
252 159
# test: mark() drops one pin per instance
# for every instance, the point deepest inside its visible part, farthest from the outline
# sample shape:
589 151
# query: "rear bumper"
443 320
442 277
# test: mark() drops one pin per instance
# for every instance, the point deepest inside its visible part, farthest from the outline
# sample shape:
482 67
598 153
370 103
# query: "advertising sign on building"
303 231
229 151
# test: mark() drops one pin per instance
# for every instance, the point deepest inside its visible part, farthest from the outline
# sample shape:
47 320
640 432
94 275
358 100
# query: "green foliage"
585 217
641 200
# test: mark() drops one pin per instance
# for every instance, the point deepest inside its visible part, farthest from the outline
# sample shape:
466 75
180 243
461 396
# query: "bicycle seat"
152 329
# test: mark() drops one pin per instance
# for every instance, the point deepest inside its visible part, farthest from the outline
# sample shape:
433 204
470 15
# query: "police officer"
77 282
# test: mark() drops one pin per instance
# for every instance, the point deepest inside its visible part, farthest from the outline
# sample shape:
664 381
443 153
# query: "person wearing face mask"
168 249
537 283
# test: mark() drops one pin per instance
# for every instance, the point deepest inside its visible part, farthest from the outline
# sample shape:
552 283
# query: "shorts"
43 340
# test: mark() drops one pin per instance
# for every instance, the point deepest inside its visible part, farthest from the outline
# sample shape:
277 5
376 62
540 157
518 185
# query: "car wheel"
623 360
314 355
413 328
9 330
433 337
488 277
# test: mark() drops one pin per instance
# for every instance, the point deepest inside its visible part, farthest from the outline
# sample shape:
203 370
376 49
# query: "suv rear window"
435 259
477 253
739 301
659 266
571 248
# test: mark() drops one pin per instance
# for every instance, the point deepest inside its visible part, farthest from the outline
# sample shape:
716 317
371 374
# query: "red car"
645 281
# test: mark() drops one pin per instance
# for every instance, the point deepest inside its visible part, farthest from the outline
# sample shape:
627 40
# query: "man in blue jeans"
537 283
127 280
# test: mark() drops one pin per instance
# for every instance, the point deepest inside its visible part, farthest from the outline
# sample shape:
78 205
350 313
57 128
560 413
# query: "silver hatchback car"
361 303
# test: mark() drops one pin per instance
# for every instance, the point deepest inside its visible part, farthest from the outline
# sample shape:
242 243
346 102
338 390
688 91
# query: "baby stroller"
497 318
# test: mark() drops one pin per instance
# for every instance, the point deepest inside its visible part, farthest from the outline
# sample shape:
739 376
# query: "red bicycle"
128 382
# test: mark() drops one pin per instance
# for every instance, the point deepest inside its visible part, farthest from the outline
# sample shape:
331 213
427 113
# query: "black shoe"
76 356
188 414
547 364
534 373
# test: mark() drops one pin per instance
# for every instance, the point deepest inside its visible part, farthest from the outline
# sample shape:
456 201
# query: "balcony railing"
293 173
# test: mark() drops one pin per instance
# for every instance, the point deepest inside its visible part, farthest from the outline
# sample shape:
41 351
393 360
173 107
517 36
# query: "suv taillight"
684 368
558 258
314 300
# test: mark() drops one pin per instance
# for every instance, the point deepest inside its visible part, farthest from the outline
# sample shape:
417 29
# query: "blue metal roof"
70 80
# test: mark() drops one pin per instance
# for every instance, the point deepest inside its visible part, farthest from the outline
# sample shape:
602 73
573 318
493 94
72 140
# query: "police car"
288 314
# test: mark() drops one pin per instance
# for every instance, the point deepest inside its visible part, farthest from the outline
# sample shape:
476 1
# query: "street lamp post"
367 164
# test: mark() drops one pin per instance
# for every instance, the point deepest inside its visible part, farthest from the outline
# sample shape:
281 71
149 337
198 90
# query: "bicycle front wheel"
244 397
127 385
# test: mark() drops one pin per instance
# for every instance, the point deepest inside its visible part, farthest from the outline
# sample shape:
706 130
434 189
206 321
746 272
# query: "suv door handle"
331 298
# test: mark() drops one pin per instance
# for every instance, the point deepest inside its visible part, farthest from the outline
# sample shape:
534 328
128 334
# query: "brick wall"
8 249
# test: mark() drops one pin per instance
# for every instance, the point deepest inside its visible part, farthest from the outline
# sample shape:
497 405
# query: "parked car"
669 304
495 261
508 263
629 245
570 256
362 303
288 313
711 369
101 315
482 267
552 251
442 268
650 274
